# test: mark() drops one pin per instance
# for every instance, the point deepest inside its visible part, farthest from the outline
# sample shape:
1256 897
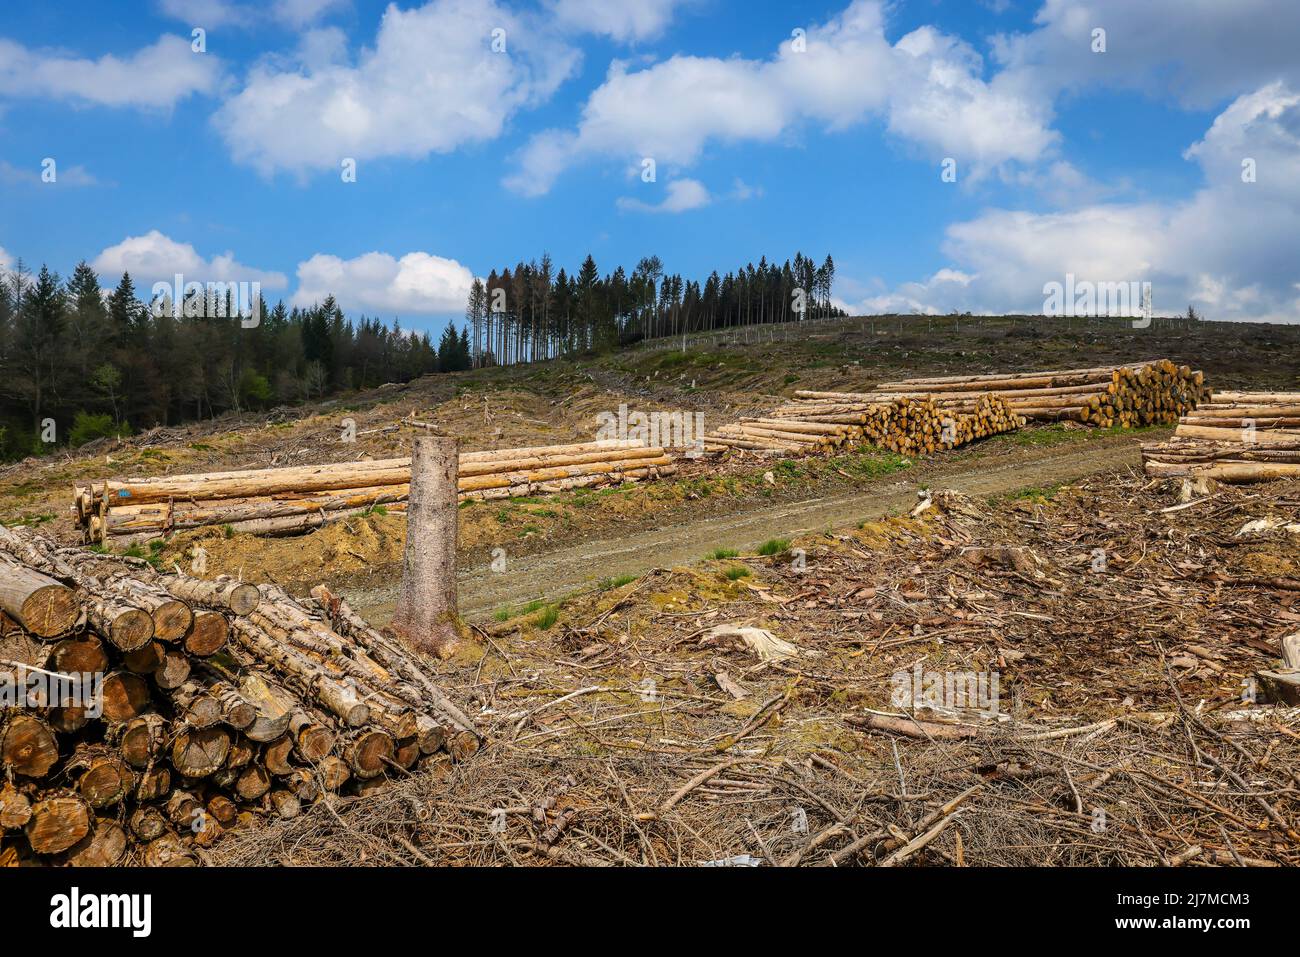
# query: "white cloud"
1199 52
156 76
946 106
1229 249
155 257
623 20
418 283
928 86
431 83
682 195
4 260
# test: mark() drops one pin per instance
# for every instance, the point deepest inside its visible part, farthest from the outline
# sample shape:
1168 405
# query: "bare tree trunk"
426 614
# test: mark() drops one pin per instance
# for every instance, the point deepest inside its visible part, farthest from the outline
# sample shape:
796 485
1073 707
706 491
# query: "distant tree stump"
426 614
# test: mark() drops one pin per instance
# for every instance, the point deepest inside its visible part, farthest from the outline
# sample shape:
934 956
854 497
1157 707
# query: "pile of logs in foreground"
1151 392
1237 437
222 703
288 501
906 425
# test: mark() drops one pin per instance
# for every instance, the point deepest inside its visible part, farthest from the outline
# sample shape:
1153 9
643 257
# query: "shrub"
88 426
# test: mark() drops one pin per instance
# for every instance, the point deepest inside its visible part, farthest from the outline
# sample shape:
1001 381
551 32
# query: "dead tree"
426 615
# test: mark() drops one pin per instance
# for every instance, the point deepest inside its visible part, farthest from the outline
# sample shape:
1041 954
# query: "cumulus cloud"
418 283
1199 52
1228 249
431 83
842 73
155 257
682 195
156 76
622 20
944 105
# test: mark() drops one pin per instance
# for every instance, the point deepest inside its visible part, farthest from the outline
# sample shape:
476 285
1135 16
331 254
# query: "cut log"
153 783
80 654
253 782
334 773
42 605
199 752
101 776
240 598
145 660
104 846
168 851
58 822
276 756
311 741
174 670
147 823
27 746
141 739
15 808
369 753
207 635
274 709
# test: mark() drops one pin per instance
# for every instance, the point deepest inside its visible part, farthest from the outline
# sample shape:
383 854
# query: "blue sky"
1115 165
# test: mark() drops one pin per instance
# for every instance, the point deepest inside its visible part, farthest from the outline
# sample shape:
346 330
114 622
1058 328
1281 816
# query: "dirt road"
565 569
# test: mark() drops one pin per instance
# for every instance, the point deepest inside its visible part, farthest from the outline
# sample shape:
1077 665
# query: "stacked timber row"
1236 437
287 501
906 425
219 703
1142 393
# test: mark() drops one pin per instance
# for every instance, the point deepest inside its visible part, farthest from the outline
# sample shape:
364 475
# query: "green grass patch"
506 613
545 617
735 572
1043 493
874 463
720 553
774 546
609 584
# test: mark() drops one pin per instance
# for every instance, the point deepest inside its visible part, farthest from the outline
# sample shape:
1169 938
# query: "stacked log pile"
286 501
219 703
1236 437
907 425
1150 392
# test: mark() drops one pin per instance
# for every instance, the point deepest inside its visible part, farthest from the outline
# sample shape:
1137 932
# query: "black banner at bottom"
144 908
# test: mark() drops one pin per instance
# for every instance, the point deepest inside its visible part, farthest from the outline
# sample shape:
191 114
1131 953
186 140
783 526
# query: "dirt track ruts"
560 571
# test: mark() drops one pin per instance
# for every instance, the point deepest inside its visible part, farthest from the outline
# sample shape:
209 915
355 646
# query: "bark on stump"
426 614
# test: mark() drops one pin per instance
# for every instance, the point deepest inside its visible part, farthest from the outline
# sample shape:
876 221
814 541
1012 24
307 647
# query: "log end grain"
27 746
172 620
50 610
207 635
57 823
